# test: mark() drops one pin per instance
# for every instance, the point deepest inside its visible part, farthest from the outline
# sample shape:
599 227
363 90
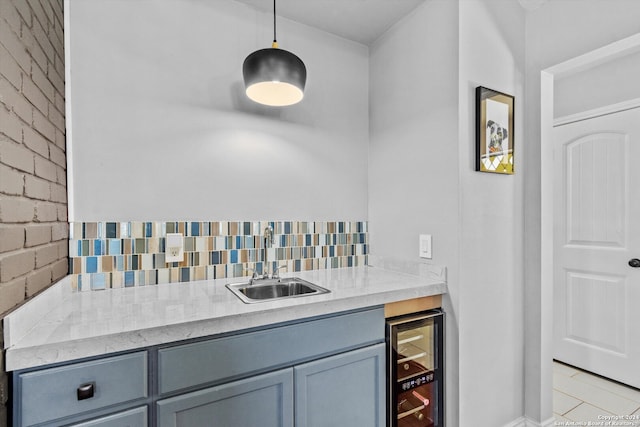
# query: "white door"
596 239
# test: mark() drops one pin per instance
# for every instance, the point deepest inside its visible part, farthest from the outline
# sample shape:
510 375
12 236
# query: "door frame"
591 59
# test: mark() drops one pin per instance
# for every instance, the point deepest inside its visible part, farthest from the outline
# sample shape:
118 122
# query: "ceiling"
362 21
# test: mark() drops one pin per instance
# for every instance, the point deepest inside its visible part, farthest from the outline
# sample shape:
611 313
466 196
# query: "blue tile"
98 282
148 229
97 247
296 265
195 229
111 230
238 242
234 256
129 279
287 227
119 263
92 264
184 274
115 247
215 257
307 239
246 228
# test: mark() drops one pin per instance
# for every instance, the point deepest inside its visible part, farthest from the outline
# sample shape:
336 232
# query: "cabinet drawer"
239 355
132 418
54 393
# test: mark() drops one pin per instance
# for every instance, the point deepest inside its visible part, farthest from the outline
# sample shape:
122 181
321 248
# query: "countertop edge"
38 356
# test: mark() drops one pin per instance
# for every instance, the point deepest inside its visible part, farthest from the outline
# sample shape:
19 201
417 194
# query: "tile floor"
581 398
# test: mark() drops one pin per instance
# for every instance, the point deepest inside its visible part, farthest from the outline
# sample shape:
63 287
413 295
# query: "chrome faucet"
268 243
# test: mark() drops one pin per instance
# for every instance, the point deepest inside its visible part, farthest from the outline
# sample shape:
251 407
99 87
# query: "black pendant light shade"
274 76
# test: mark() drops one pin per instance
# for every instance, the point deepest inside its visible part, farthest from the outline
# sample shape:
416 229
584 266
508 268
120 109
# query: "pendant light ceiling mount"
274 76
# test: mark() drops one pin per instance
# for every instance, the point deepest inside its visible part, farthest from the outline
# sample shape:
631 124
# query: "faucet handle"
254 272
275 274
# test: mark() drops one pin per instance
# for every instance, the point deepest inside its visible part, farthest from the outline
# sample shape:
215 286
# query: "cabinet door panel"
262 401
343 390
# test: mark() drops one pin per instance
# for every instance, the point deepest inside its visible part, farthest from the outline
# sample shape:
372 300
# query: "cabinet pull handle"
86 391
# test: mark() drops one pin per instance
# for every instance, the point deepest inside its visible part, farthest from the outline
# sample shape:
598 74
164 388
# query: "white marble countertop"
60 325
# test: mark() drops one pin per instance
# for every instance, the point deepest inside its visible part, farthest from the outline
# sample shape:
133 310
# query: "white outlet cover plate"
174 249
425 246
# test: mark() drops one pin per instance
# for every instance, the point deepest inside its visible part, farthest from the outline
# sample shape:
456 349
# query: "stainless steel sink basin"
270 289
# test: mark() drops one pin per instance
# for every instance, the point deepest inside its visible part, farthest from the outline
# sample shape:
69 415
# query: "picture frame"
494 131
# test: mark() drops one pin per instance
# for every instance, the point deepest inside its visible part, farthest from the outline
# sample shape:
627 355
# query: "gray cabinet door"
261 401
347 389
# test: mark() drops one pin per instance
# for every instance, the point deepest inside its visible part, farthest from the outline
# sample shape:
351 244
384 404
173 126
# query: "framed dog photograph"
494 131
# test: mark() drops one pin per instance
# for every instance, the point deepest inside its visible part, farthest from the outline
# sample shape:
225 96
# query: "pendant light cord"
274 22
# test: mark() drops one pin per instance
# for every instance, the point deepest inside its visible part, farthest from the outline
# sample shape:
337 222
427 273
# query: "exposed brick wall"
33 201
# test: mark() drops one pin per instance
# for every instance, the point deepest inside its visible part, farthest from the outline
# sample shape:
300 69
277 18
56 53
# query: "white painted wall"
491 324
147 92
162 130
558 31
422 180
413 154
606 84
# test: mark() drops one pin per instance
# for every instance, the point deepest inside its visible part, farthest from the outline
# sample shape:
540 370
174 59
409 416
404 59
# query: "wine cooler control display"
415 370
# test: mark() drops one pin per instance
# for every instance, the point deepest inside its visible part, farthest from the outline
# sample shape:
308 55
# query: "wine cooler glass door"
416 375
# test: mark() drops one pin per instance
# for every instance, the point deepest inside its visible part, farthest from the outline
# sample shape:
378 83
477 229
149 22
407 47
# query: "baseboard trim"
527 422
520 422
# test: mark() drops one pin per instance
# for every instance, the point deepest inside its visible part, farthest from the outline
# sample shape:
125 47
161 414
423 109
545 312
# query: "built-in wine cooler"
415 370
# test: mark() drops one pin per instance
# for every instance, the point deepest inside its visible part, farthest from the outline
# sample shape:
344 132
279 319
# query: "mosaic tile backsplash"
105 255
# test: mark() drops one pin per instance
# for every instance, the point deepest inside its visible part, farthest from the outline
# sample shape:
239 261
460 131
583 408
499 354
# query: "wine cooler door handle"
635 263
